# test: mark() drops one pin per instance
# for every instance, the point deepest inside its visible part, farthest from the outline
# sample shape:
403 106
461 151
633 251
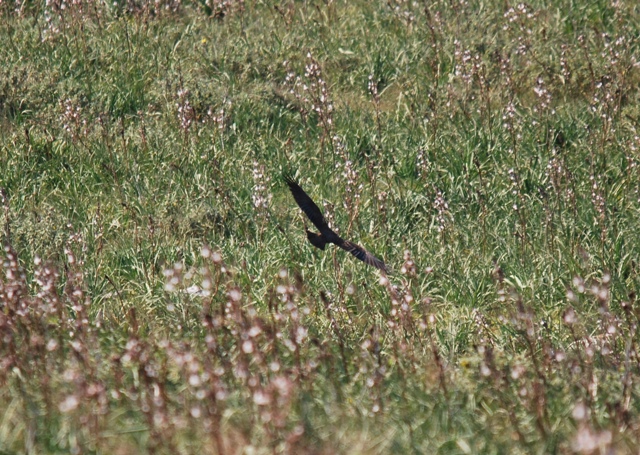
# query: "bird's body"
326 234
317 240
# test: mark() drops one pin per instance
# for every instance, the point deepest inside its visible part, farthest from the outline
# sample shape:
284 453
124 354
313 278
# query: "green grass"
493 165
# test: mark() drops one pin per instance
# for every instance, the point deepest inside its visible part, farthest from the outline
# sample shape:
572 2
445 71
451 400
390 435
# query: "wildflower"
69 404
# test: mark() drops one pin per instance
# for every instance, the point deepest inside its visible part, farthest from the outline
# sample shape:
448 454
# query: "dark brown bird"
326 234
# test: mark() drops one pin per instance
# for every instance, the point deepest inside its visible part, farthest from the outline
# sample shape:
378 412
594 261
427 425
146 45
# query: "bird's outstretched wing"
362 254
307 205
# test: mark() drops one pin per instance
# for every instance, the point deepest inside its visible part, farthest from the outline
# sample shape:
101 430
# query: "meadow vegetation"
158 293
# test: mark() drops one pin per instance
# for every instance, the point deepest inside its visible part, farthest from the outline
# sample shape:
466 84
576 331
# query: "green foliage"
158 292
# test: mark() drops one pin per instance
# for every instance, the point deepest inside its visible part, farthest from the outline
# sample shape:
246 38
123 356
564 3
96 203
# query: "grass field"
159 294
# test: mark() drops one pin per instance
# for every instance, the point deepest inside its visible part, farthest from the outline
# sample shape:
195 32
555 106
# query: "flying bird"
326 235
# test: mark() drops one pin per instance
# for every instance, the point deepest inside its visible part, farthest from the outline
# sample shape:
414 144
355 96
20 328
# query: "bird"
326 234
